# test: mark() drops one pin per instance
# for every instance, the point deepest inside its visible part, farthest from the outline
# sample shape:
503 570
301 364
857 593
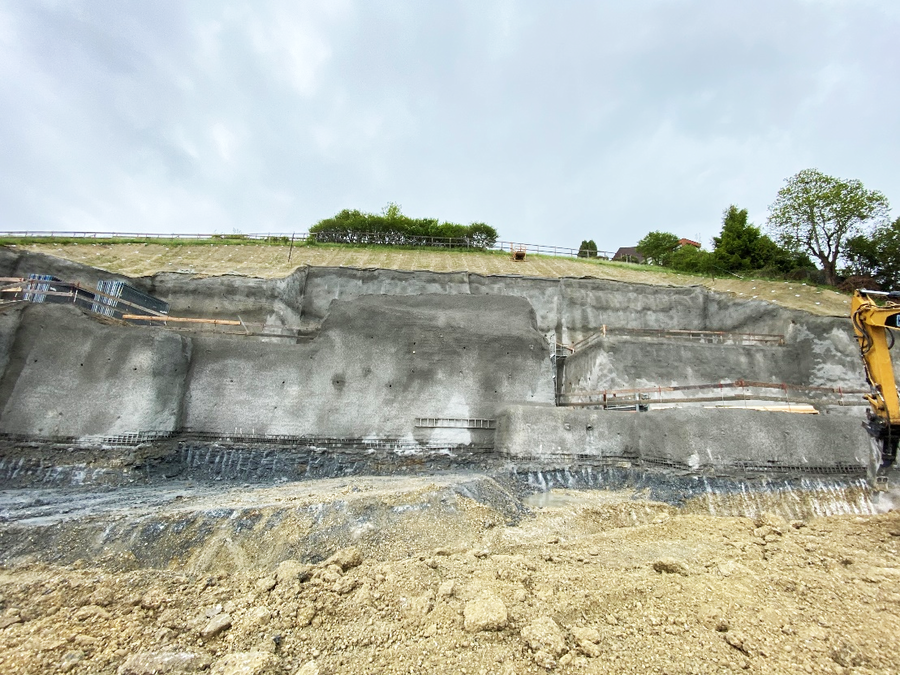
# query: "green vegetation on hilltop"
393 228
740 249
814 217
816 214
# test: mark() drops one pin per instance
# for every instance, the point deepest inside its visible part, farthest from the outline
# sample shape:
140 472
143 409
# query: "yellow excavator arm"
872 323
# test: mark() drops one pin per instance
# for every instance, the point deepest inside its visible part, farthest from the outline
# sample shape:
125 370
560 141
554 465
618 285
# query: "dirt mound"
580 587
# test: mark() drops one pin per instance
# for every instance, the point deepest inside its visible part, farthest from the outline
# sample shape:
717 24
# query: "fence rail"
286 237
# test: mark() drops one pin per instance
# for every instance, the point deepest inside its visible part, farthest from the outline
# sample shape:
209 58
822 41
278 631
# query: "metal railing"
455 423
297 237
704 336
719 392
71 234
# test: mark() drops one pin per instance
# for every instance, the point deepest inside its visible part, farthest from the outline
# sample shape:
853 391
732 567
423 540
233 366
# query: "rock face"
486 612
411 363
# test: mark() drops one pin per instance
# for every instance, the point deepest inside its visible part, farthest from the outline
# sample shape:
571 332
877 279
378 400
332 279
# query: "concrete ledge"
691 438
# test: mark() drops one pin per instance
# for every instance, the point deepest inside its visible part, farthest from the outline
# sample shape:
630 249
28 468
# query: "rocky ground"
586 582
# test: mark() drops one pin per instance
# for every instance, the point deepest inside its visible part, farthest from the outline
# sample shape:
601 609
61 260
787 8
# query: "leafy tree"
658 247
588 249
816 214
877 256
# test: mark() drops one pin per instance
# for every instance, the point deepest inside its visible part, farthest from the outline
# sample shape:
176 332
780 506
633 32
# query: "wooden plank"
176 319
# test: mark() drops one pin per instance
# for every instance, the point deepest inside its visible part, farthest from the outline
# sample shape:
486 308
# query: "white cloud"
558 123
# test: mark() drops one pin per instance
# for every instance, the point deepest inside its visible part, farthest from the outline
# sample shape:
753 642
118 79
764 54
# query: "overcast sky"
552 121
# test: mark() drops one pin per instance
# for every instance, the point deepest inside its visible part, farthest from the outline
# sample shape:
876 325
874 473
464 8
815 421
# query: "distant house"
628 254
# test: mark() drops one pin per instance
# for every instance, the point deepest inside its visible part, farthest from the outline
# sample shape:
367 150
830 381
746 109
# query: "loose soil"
590 582
272 261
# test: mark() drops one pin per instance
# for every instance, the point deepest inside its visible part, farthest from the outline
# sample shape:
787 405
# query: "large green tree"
658 247
815 214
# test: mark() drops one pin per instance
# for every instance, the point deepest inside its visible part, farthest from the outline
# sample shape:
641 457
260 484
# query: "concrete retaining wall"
70 376
619 362
377 364
390 346
692 438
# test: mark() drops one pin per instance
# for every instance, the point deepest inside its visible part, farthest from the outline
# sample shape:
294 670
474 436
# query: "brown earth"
594 582
272 261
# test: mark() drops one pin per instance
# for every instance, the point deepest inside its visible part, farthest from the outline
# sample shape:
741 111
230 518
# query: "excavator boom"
872 323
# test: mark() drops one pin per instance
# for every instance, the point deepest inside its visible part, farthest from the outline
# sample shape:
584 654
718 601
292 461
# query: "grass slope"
270 261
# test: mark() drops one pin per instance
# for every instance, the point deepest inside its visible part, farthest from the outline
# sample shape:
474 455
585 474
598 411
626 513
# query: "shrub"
588 249
393 228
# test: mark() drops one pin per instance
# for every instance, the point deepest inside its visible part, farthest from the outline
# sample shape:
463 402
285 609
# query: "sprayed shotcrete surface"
709 541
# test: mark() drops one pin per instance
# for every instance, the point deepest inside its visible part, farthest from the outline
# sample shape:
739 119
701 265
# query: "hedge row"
393 228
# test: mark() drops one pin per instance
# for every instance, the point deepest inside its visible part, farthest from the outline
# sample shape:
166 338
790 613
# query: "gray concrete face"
690 438
390 346
67 375
377 364
270 301
617 362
